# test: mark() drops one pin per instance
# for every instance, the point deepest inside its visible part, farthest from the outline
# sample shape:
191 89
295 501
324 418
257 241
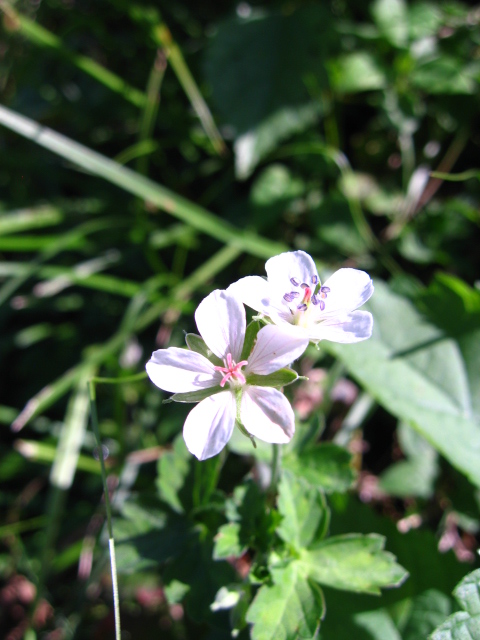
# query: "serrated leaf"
353 562
463 625
291 608
425 612
277 379
426 370
304 510
326 465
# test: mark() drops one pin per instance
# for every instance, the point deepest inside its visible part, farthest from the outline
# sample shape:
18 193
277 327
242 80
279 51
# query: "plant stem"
108 509
276 460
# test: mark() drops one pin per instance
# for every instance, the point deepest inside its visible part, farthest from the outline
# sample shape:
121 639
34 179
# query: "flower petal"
220 318
275 348
253 291
349 289
292 264
179 370
345 328
209 425
267 414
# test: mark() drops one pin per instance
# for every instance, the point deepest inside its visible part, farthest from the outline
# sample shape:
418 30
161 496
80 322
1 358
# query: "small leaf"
227 542
289 609
197 343
326 465
250 336
193 396
392 20
356 72
279 378
463 625
353 562
304 510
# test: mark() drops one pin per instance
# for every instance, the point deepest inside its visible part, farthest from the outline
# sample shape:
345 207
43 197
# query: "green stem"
108 509
276 460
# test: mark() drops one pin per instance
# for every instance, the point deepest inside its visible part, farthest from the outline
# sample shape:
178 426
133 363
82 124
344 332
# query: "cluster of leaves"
323 123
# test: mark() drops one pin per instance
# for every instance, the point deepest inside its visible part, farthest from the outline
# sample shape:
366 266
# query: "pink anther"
232 370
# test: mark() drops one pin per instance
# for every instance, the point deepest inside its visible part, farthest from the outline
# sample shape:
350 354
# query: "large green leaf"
325 465
259 86
425 368
353 562
289 609
463 625
304 510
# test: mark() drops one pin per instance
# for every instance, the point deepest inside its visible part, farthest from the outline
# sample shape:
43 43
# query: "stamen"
314 279
304 285
315 300
294 294
325 289
321 304
295 282
232 370
302 307
288 297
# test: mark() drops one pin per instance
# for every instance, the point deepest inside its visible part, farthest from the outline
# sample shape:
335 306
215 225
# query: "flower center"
312 293
232 370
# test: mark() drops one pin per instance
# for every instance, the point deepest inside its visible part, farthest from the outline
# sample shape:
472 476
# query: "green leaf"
426 611
325 465
250 336
259 87
463 625
353 562
425 369
146 536
356 72
444 75
392 20
279 378
194 396
197 343
227 542
416 475
290 609
304 510
173 469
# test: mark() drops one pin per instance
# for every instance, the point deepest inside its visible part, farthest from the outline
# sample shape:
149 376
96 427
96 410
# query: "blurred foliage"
238 131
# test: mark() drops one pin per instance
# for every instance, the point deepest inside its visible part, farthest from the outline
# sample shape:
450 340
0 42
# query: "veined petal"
209 425
349 289
267 414
292 264
180 370
275 348
220 318
345 328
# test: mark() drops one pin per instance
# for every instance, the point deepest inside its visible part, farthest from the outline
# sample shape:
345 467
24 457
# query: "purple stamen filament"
232 370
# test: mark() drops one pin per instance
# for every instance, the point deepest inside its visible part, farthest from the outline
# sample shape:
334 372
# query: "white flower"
263 411
294 298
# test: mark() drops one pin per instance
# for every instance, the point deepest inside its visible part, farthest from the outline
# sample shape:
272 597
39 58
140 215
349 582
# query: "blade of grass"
25 219
162 36
41 37
150 109
138 185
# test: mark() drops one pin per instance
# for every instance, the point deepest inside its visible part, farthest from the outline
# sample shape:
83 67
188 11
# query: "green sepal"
194 396
250 336
197 343
279 378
